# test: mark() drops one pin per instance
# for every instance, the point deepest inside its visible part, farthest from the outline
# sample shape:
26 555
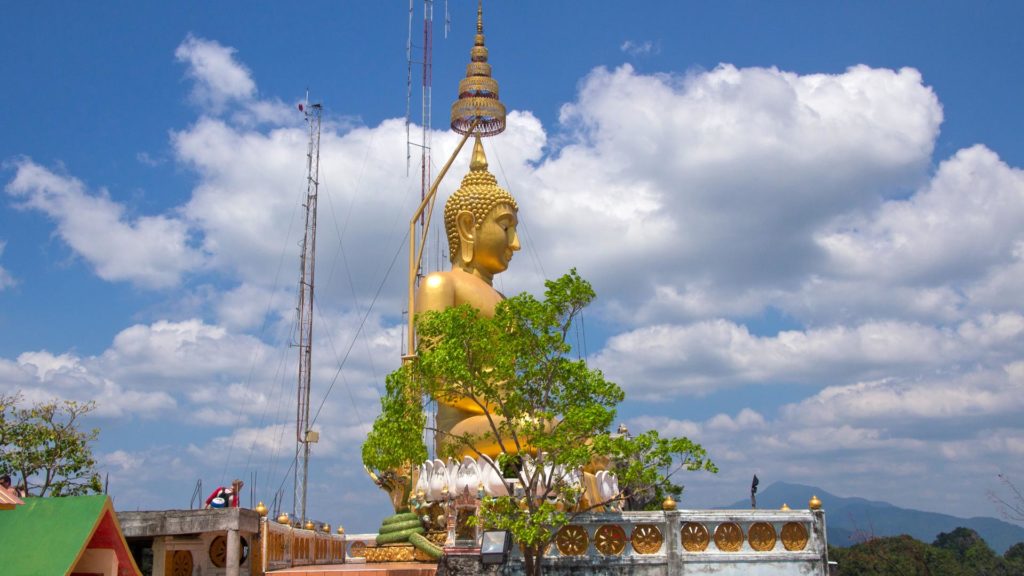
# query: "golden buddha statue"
480 220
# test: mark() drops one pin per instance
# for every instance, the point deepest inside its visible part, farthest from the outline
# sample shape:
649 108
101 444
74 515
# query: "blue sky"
803 221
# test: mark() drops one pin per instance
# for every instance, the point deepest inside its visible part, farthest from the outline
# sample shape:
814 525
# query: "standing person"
223 497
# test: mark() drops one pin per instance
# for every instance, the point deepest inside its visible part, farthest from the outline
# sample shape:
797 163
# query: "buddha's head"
480 219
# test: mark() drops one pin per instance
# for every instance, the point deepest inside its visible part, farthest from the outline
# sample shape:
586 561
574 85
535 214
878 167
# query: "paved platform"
382 569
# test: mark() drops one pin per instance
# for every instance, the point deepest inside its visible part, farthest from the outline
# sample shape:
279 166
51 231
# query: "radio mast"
304 436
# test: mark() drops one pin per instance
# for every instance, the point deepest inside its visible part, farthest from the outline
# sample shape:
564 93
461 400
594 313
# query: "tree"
536 399
44 450
970 549
1014 557
896 556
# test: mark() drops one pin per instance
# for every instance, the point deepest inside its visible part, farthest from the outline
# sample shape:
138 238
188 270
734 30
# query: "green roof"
47 535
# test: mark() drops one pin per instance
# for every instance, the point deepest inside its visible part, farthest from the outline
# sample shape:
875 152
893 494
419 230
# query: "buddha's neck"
482 275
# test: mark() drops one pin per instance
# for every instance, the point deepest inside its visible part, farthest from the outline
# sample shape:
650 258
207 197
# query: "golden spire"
478 91
479 161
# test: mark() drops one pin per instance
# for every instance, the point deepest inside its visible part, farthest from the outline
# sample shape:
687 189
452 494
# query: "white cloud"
218 77
6 280
42 377
963 223
246 306
746 419
717 182
183 351
150 251
979 393
640 48
700 358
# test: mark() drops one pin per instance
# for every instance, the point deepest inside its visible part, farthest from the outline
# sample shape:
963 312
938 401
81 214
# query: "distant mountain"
848 520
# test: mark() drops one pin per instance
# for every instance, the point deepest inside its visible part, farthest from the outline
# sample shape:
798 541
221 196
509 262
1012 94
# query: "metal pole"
414 256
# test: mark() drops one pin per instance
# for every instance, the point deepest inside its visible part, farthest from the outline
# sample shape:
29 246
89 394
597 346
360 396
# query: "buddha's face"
496 240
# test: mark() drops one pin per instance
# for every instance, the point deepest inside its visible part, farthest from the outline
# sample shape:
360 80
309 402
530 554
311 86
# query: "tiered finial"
478 91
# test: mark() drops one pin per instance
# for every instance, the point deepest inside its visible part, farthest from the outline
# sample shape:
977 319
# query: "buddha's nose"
514 245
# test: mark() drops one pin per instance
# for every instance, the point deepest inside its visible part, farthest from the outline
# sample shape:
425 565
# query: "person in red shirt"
225 497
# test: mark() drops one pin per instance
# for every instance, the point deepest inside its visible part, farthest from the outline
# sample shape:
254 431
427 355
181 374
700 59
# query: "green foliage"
396 438
646 463
896 555
1014 558
536 398
958 553
969 548
44 451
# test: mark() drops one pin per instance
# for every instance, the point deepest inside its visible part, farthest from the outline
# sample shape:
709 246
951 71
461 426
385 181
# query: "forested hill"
850 520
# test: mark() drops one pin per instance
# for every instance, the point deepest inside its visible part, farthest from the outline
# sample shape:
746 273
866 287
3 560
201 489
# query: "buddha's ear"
465 222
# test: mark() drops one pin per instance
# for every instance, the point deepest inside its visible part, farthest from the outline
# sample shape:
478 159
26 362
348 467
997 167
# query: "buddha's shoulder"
450 279
440 290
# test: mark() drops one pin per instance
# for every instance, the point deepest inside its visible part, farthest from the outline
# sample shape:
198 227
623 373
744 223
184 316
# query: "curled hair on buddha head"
478 195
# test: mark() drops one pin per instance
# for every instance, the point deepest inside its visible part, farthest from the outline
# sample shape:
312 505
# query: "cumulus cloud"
962 227
979 393
873 439
713 185
41 377
150 251
704 357
217 77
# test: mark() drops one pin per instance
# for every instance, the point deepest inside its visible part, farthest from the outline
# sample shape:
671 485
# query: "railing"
777 541
285 547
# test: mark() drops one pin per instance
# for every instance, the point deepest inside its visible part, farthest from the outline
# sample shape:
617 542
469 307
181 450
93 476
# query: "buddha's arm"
437 292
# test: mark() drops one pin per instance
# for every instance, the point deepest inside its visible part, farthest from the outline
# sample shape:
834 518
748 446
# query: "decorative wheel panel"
729 537
761 536
572 540
358 549
646 539
610 540
695 537
219 551
180 563
794 536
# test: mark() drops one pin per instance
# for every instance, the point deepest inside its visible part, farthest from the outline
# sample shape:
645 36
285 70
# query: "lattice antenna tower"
426 82
304 436
426 70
